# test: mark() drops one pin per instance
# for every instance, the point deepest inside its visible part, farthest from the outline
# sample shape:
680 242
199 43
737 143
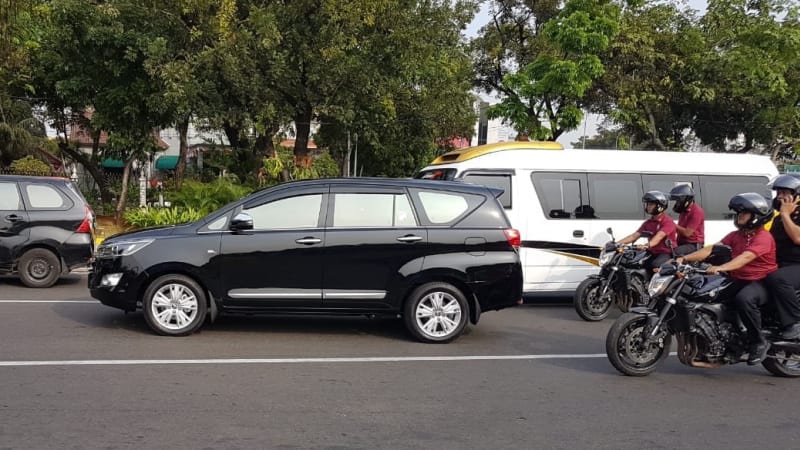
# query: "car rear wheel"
174 305
436 312
39 268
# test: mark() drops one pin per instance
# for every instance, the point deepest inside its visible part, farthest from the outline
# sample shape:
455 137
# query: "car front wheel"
436 312
174 305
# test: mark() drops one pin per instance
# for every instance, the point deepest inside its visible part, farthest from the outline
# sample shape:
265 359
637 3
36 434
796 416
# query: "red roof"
83 137
290 143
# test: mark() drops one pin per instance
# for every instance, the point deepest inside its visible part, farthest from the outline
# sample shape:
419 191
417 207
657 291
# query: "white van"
563 200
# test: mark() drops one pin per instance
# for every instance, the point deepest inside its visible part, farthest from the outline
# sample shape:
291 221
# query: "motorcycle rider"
691 222
784 282
753 258
658 228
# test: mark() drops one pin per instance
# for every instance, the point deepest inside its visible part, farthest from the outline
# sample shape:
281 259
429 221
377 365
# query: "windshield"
436 174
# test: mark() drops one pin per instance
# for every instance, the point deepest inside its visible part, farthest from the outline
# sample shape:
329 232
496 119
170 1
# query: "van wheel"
436 313
174 305
39 268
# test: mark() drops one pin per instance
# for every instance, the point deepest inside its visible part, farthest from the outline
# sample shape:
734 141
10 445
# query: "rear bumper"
77 251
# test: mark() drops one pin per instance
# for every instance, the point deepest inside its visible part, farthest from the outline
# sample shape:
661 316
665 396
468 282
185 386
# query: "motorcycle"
689 304
621 281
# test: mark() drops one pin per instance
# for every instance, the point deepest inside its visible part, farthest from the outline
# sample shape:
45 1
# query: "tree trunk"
655 139
97 174
183 131
302 122
123 195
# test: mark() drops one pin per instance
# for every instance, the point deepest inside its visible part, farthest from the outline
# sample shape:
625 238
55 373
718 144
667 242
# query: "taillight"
513 237
86 224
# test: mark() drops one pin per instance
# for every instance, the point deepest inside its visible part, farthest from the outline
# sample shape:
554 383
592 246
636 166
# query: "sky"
591 121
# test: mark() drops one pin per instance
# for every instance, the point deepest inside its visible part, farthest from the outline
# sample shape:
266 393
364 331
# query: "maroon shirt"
664 223
759 243
694 217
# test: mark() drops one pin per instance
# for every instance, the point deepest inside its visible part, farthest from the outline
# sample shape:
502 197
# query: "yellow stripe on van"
586 259
463 154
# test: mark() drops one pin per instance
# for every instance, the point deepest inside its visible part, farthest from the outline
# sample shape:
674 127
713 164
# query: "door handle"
13 218
409 238
577 233
308 240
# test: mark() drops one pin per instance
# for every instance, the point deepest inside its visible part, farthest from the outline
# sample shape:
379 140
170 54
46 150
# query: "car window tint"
43 196
616 195
559 194
9 197
502 181
717 191
442 207
292 212
372 210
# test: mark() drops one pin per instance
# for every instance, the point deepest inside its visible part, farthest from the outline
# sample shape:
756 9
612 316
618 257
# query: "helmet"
753 203
658 198
789 182
683 194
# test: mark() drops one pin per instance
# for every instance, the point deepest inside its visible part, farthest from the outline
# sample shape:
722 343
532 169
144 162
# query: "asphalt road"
76 374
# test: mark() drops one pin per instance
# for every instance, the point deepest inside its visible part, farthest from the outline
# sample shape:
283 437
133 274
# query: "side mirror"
241 222
610 231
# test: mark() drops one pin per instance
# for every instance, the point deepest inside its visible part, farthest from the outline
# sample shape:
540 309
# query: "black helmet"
683 194
753 203
658 198
789 182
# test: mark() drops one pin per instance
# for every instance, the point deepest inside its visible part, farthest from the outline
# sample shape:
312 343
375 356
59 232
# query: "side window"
616 195
443 207
9 197
562 195
665 183
42 196
718 190
218 224
502 181
372 210
292 212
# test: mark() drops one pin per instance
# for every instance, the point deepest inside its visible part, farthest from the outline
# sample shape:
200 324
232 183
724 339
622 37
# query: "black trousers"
783 284
685 249
657 260
749 297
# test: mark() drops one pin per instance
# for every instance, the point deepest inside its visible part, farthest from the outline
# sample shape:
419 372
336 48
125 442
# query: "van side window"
502 181
718 190
9 197
562 195
616 195
665 183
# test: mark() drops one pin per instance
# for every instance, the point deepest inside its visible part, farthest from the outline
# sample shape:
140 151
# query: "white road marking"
50 301
378 359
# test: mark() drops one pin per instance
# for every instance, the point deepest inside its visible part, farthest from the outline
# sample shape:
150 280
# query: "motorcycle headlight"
658 284
121 248
605 257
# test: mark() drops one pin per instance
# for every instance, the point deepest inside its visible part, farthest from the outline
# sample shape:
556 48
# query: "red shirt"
694 217
759 243
661 222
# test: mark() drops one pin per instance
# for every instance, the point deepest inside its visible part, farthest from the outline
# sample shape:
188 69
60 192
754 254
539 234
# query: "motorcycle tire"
782 363
587 303
622 347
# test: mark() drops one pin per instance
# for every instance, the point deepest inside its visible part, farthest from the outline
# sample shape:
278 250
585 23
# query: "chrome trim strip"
275 293
340 294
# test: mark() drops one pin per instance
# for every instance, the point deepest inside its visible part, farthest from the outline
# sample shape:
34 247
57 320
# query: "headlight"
121 248
605 257
658 284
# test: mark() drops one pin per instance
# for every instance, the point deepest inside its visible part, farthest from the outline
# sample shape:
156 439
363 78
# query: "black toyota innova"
437 254
46 228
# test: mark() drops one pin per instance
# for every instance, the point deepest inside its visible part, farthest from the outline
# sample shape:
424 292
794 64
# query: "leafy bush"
152 217
207 197
30 166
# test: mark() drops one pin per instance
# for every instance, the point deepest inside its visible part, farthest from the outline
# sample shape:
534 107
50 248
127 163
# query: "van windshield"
436 174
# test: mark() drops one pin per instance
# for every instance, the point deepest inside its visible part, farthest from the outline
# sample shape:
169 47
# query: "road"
76 374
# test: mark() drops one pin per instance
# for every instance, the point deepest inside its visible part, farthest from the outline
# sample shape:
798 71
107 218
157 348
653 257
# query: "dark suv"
435 253
46 228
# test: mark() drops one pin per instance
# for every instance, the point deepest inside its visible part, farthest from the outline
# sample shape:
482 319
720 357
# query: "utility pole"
355 165
347 158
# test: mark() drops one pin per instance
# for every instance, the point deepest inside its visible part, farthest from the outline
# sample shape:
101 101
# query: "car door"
372 242
277 264
13 223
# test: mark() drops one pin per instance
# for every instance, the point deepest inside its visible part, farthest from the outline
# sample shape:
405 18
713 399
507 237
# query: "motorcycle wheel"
587 301
623 347
782 363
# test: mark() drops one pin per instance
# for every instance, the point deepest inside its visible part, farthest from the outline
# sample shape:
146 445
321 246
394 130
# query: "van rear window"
436 174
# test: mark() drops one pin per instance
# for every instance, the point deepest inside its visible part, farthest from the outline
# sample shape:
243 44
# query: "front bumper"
123 295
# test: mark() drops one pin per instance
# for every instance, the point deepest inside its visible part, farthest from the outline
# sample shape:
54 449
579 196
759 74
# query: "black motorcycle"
690 305
621 281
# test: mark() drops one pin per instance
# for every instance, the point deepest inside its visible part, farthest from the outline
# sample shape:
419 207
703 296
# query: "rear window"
437 174
496 180
45 196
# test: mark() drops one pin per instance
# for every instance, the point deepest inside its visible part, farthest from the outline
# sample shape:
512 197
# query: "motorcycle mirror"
610 231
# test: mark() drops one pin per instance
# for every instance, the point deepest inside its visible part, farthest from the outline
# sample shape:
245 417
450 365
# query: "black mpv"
437 254
46 228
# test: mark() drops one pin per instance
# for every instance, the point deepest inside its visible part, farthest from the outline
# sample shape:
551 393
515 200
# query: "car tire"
436 313
39 268
174 305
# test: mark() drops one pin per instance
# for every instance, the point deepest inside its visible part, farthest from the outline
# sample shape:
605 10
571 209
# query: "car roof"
394 182
11 177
